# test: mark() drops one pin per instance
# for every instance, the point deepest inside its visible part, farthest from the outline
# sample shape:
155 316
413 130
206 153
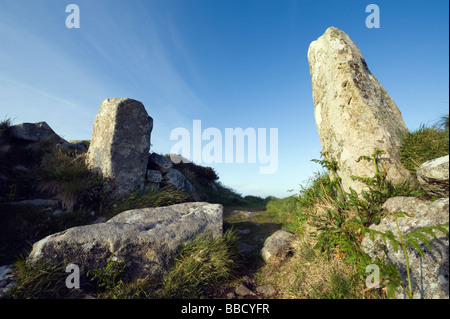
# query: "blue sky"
228 63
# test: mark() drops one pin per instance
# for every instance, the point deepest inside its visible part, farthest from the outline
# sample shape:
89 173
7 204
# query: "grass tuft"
203 265
424 144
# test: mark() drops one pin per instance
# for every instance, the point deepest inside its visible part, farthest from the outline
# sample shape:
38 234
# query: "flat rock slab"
147 239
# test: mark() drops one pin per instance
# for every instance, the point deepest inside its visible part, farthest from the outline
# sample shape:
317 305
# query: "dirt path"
253 227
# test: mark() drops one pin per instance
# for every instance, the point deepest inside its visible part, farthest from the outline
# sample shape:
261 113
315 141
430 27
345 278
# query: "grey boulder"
278 246
159 162
429 274
35 132
146 240
177 179
433 176
120 143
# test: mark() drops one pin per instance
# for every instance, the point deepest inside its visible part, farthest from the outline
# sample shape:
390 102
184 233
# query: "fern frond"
413 238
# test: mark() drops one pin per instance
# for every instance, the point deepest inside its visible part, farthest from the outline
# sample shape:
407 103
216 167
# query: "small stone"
242 290
231 295
278 246
266 290
244 231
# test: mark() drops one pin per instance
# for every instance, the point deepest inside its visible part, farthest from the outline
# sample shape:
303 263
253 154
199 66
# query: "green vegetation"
327 262
68 179
424 144
42 281
202 266
331 224
168 195
108 278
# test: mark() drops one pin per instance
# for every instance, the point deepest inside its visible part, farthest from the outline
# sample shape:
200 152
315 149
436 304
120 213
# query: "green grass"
168 195
424 144
202 266
42 281
287 212
68 179
336 221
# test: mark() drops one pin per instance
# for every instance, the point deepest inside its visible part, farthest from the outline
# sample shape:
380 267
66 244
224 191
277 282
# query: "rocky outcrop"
153 180
120 143
7 280
159 162
433 176
354 113
175 178
278 246
429 274
145 239
35 132
160 173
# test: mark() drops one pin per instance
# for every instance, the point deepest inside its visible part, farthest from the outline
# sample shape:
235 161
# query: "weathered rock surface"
35 132
154 178
120 143
266 291
74 146
159 162
430 274
175 178
278 246
145 239
6 280
354 113
433 176
243 291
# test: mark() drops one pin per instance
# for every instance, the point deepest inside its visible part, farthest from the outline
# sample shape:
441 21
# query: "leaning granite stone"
433 176
120 143
146 240
429 274
354 114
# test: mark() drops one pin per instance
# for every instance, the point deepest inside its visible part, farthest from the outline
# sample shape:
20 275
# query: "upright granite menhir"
354 113
120 143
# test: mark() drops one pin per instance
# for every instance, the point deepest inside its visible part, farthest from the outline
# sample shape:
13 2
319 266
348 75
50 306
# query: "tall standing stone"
120 143
354 113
